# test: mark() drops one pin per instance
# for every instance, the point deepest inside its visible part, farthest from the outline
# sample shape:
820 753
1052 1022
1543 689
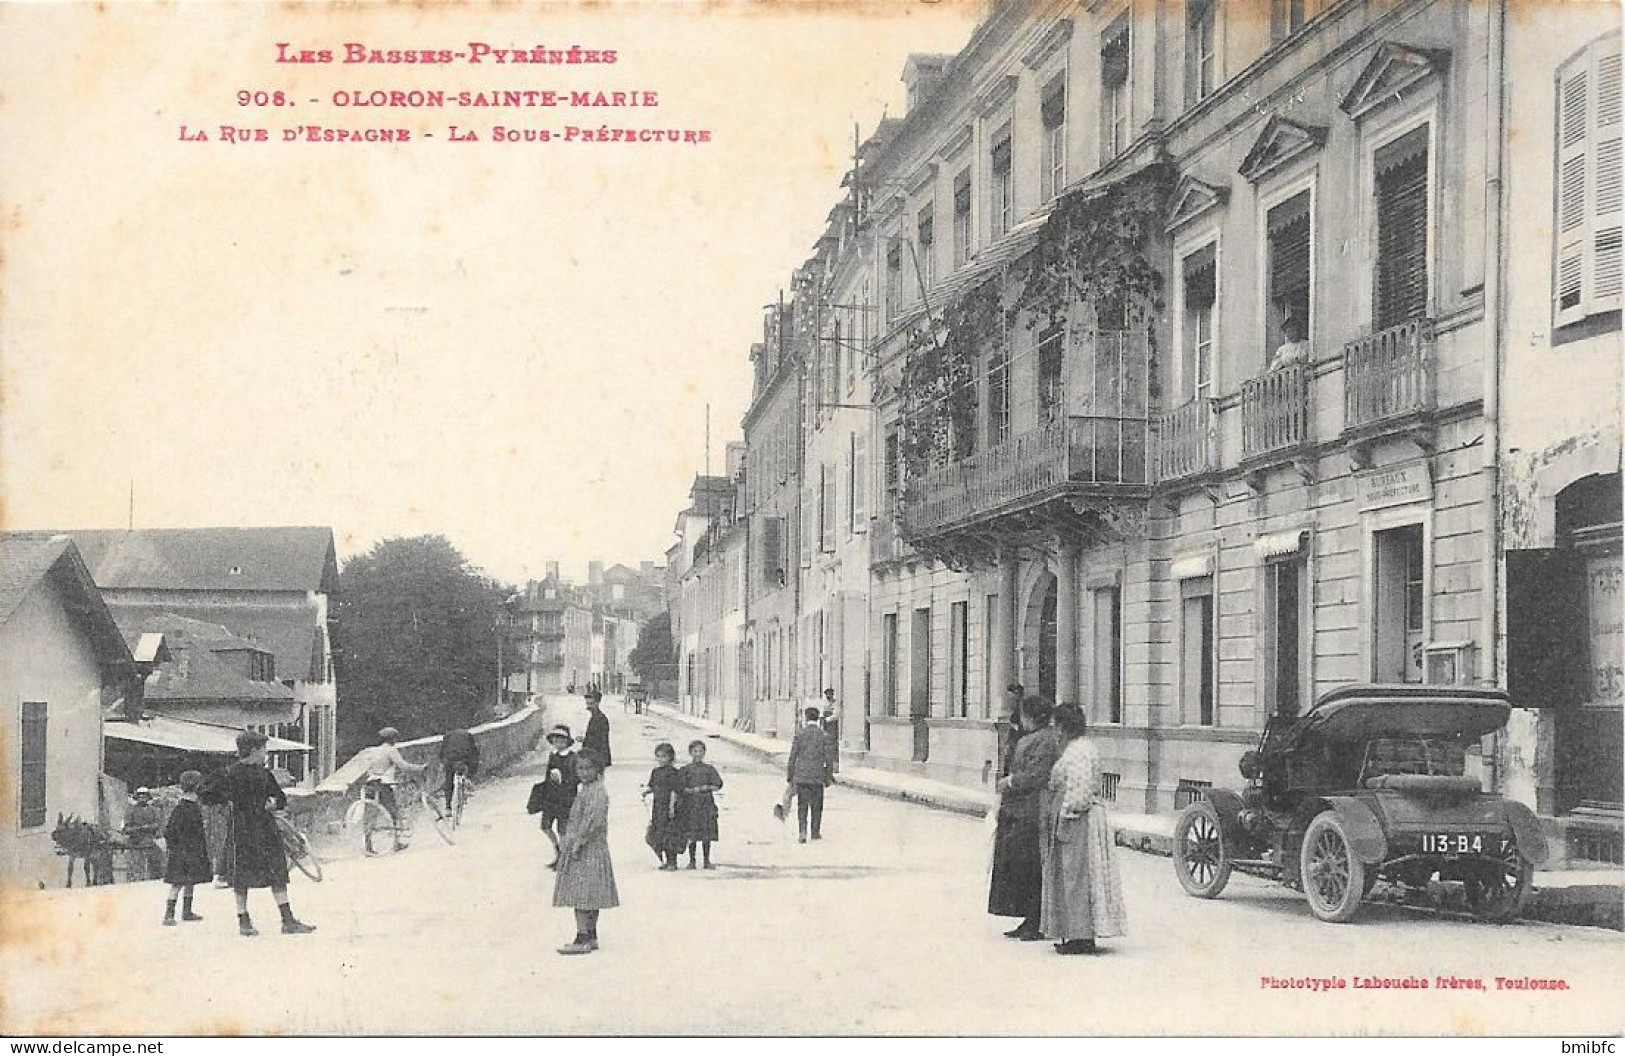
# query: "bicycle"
459 796
367 816
297 847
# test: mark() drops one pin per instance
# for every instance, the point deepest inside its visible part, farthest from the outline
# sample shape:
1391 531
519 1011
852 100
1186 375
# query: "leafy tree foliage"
655 656
419 633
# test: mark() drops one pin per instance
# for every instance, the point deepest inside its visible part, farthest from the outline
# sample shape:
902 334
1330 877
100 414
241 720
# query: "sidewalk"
1593 897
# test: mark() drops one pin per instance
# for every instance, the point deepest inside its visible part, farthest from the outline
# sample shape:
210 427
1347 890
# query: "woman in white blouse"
1083 895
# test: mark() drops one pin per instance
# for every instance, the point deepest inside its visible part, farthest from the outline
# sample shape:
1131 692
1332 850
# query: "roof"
206 738
225 559
28 559
194 672
291 633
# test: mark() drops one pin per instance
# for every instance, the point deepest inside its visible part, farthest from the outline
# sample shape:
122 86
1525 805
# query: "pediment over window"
1194 198
1282 142
1394 70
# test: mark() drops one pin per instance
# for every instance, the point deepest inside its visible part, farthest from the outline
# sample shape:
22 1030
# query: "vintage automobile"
1368 785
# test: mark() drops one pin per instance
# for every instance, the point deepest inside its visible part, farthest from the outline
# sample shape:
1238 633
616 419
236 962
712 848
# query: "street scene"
860 519
871 930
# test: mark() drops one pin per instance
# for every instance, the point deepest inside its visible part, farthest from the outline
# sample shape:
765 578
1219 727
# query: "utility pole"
708 438
132 503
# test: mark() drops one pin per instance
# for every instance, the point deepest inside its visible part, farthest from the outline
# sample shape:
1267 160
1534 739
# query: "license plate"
1452 843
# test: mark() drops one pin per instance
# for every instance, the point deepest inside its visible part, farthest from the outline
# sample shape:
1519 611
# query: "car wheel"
1201 860
1333 878
1498 894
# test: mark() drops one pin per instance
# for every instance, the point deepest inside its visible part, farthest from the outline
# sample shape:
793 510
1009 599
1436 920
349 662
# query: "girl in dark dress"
698 809
665 790
254 856
186 849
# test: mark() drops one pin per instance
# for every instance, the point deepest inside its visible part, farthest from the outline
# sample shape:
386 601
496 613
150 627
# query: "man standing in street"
811 771
596 739
832 730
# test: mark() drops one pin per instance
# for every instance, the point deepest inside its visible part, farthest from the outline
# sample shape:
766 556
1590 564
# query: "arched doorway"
1038 638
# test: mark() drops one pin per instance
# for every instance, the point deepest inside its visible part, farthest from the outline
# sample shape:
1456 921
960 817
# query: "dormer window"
1201 49
235 570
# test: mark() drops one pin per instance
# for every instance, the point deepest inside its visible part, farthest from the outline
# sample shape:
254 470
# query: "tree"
655 657
420 629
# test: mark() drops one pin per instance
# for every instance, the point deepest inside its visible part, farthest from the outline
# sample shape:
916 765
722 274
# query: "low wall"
500 742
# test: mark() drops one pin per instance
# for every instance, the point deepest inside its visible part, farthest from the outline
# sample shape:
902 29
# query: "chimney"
595 573
553 571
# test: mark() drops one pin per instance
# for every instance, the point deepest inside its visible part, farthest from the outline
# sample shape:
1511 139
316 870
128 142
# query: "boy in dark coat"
254 853
188 851
810 769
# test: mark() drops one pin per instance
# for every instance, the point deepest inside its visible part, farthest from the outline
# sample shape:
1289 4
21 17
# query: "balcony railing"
1275 411
1186 441
1388 375
1083 450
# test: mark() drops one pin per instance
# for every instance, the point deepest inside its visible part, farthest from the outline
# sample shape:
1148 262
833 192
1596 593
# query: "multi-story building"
1184 422
709 616
555 629
773 496
1559 430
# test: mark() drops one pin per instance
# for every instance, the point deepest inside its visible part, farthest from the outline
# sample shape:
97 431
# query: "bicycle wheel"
300 854
443 825
366 819
459 800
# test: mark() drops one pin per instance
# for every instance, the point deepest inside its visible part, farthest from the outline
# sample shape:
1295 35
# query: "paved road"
878 929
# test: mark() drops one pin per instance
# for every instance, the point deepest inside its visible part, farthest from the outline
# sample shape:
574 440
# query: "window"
919 655
998 396
888 655
1287 17
959 659
829 381
828 494
1201 49
1397 593
31 797
772 551
1401 279
990 615
1289 236
894 279
962 219
1196 650
1001 192
1285 596
1199 278
1052 111
1051 379
1108 653
925 229
1587 279
1114 101
893 464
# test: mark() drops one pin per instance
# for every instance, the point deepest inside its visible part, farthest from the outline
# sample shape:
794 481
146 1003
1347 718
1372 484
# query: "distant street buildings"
1185 365
575 635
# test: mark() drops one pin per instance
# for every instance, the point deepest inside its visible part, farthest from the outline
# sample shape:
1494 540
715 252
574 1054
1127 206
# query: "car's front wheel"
1333 878
1498 893
1200 858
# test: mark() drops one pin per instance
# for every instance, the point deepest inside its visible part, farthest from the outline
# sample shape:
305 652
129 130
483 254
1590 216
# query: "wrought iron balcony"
1186 442
1388 377
1078 453
1275 412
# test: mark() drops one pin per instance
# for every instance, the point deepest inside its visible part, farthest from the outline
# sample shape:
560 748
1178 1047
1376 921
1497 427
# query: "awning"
164 732
1191 566
1280 544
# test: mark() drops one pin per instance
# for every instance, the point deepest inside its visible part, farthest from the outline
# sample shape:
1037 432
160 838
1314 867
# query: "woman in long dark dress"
697 812
254 855
1017 885
665 791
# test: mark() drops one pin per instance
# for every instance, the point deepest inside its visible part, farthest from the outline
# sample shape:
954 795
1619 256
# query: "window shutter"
1605 217
772 550
860 482
1402 230
1547 663
832 488
1573 82
1289 235
808 512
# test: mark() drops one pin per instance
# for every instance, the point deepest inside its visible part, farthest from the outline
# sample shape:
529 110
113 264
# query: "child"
586 881
698 809
558 787
188 851
665 790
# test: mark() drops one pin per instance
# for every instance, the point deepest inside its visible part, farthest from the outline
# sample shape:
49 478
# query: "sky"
511 344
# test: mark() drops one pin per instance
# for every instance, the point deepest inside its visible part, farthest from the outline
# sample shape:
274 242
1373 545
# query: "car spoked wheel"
1333 878
1498 892
1200 859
